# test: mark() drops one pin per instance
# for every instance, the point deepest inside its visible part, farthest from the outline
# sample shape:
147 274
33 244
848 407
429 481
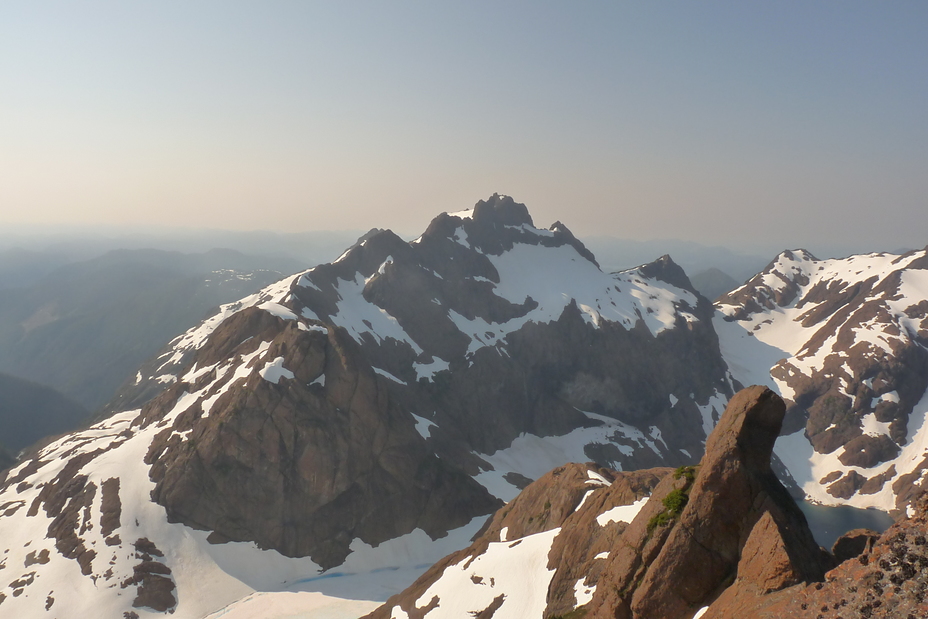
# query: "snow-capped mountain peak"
400 392
844 341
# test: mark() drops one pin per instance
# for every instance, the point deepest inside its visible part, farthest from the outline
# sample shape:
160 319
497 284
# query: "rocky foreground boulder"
733 528
889 580
719 535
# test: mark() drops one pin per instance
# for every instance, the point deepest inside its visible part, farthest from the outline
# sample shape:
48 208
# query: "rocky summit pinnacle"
502 210
738 523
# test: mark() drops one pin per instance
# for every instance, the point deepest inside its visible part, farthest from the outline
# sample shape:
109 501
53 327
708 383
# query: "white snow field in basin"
292 605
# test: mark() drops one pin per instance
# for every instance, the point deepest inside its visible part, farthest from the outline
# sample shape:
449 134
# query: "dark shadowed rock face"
853 543
720 533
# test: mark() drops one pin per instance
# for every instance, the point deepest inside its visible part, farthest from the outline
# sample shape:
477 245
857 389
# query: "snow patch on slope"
532 456
516 570
274 370
622 513
423 426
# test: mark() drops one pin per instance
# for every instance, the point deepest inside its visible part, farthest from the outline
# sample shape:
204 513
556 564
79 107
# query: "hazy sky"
717 122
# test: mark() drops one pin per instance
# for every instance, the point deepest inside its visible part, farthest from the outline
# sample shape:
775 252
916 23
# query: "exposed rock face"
155 587
847 344
738 525
888 580
720 533
303 468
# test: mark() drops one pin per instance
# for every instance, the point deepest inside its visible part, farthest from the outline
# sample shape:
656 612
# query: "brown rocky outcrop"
152 578
577 552
738 528
725 533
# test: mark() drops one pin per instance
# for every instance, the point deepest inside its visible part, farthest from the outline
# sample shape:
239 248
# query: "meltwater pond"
830 523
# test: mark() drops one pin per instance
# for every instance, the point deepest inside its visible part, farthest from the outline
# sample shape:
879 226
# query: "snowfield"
792 330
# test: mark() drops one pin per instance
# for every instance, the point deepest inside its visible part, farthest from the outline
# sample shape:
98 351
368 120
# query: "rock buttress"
728 524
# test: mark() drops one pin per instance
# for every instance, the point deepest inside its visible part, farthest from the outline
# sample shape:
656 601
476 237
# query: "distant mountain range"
85 327
618 254
28 256
347 426
29 411
713 283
